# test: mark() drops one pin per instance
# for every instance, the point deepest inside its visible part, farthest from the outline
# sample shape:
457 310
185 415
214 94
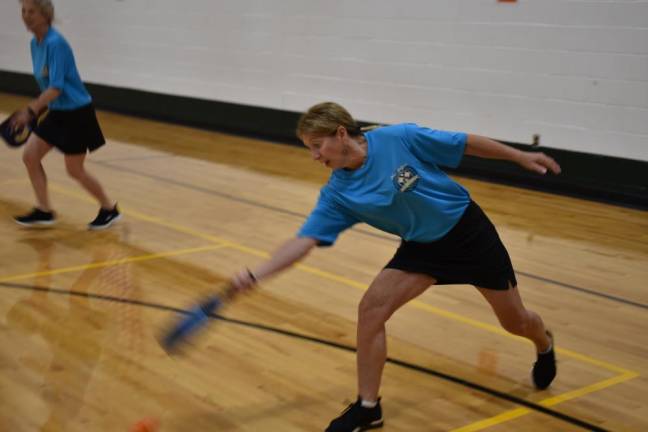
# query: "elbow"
54 92
309 244
472 144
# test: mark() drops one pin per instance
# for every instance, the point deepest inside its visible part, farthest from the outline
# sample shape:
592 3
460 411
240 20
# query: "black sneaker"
357 418
544 369
36 217
105 218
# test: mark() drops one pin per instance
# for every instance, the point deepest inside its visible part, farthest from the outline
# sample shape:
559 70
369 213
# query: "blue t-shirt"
399 188
54 66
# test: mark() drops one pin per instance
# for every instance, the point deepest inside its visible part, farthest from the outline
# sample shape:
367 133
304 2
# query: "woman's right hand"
243 281
21 119
288 253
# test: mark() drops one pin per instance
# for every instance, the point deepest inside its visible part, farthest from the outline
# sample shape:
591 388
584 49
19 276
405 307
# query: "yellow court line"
624 376
193 232
576 393
108 263
492 421
519 412
457 317
164 223
331 276
494 329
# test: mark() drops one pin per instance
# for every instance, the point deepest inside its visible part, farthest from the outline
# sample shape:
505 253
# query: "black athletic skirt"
73 132
471 253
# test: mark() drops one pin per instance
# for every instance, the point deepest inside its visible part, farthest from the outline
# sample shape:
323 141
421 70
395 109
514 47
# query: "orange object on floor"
145 425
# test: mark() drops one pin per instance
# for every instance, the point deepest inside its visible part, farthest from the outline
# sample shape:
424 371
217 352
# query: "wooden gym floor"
80 311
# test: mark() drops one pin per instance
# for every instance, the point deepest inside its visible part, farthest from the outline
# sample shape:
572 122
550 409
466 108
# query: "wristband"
254 278
31 111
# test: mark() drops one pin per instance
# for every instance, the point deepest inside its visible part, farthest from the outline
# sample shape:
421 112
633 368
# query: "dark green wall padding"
607 179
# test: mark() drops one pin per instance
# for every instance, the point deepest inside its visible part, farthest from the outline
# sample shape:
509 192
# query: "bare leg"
389 291
35 151
515 318
75 168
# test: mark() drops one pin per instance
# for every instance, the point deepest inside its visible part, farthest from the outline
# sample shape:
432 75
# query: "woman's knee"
75 173
75 170
388 292
74 164
31 159
373 312
34 151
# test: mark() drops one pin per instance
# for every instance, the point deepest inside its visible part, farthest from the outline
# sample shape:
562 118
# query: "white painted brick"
574 71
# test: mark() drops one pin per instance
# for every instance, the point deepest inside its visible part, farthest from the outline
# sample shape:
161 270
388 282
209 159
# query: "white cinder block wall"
573 71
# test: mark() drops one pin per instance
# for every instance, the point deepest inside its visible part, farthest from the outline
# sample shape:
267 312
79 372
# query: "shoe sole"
36 224
541 388
374 425
103 227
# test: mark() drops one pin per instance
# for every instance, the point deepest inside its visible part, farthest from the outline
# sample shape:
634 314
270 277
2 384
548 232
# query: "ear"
341 132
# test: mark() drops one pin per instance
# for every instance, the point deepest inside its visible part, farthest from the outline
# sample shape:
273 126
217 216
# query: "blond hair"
324 119
46 7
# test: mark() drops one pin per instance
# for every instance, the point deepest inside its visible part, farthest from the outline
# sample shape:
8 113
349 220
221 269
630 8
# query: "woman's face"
330 151
32 16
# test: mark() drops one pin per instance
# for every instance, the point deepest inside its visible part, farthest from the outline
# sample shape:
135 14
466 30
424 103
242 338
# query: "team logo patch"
405 178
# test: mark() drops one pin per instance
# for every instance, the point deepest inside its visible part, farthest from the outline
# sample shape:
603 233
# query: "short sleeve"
326 221
436 146
57 61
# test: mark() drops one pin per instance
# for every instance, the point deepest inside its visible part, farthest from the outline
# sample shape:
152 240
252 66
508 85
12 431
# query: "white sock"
548 349
368 404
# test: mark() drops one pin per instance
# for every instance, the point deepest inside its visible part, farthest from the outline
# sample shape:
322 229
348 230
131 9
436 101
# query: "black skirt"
73 132
470 253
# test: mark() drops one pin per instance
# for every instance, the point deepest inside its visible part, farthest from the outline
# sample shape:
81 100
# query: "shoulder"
325 200
394 129
327 192
331 191
56 40
416 132
390 131
393 134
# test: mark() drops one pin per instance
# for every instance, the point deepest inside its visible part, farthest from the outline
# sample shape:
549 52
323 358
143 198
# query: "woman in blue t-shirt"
70 123
390 178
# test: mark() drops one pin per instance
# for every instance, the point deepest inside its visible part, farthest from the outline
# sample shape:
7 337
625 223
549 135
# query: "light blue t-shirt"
399 188
54 66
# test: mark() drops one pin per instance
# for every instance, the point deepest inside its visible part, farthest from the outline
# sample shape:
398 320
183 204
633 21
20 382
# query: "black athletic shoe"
357 418
544 369
105 218
36 217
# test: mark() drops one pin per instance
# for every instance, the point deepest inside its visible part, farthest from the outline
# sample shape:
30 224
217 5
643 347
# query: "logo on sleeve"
405 178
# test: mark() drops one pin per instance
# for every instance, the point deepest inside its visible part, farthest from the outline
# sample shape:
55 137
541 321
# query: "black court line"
357 230
213 192
586 291
411 366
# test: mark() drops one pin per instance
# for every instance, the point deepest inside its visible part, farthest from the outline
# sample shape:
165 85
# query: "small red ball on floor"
145 425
